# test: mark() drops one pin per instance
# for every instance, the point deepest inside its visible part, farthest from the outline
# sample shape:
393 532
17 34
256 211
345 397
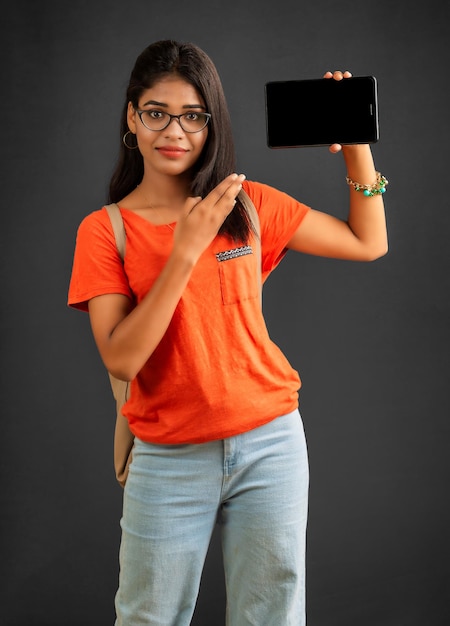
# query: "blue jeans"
256 486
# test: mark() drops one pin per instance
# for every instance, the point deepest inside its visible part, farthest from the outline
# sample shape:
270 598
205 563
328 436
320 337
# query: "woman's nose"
174 128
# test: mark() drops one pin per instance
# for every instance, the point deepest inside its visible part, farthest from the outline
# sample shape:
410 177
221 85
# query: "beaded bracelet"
376 188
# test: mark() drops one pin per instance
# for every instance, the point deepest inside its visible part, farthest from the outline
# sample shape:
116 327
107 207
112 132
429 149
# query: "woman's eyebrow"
164 104
194 106
155 103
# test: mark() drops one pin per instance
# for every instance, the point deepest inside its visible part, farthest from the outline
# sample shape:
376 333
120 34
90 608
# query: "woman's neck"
165 190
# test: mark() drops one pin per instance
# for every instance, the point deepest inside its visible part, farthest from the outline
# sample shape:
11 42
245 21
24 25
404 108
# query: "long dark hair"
217 160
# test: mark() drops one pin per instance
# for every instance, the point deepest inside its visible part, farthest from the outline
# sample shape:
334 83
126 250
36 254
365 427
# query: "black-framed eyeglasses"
192 122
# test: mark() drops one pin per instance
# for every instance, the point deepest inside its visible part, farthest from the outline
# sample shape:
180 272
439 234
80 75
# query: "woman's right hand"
202 218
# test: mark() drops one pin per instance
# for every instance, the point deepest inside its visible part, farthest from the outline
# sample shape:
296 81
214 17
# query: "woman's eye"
191 117
155 115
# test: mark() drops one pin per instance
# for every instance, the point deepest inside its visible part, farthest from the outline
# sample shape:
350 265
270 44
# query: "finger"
335 147
228 200
190 203
227 189
338 75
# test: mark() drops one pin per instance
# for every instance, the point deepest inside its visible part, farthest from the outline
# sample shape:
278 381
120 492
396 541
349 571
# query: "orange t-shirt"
216 372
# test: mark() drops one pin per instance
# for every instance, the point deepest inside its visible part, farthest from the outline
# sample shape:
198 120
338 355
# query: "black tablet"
320 112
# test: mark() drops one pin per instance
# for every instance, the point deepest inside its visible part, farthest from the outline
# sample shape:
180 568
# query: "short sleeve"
97 267
280 215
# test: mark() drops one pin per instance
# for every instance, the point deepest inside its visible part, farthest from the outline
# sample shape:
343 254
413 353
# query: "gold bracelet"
378 187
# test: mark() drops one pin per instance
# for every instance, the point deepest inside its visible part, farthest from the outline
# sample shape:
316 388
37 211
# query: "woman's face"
170 151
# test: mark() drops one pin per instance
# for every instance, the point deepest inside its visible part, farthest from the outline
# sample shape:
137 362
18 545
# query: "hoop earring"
124 140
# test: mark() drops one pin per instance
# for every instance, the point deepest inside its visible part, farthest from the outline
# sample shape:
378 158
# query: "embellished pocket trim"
234 253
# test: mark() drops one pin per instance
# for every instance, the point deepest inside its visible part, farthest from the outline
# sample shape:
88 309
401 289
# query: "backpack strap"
118 228
254 218
251 211
123 437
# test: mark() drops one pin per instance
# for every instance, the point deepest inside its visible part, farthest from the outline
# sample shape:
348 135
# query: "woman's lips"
171 152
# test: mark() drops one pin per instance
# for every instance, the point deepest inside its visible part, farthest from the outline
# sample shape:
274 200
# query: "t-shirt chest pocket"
237 274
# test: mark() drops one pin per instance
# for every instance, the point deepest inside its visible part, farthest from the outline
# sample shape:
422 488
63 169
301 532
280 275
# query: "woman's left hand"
337 75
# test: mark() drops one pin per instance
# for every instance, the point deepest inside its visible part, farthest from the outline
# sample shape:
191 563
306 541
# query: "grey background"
371 341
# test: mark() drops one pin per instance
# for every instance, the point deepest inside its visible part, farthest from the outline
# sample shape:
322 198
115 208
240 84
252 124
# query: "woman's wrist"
359 163
356 152
183 259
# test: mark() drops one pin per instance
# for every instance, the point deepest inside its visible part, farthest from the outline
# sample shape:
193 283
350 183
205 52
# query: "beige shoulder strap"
254 217
118 228
251 210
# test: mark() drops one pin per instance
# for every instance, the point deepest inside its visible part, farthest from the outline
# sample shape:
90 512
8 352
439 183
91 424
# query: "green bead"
367 193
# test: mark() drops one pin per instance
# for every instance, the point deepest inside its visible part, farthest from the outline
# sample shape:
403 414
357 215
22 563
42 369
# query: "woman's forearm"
366 216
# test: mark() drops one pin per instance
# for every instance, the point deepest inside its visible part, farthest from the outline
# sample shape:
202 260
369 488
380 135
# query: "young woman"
214 403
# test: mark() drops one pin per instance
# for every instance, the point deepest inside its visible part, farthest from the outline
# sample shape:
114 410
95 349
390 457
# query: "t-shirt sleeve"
97 267
280 215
